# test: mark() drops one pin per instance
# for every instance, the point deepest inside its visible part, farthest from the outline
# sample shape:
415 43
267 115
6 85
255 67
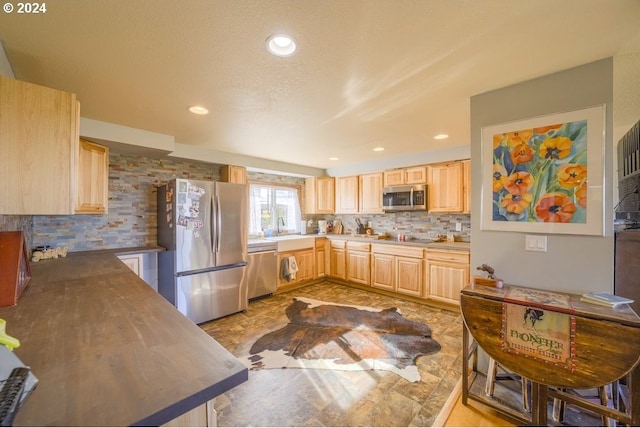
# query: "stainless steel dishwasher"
261 273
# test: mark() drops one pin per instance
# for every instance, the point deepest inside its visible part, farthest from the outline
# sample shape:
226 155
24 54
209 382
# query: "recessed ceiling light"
333 158
198 110
440 137
378 149
281 45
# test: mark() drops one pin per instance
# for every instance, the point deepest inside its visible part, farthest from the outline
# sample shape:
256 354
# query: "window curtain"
268 203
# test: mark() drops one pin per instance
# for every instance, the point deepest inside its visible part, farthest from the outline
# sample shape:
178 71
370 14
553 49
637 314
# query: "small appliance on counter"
322 227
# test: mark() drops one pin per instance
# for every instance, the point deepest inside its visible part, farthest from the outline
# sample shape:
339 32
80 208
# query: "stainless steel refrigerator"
203 226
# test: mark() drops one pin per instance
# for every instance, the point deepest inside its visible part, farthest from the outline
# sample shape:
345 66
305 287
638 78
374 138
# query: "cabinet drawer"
358 246
398 250
320 242
338 243
448 256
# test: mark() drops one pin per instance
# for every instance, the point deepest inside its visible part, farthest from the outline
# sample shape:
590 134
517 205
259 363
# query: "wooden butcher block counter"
109 351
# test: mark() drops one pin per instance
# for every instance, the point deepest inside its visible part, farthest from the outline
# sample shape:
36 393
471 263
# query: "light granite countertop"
424 243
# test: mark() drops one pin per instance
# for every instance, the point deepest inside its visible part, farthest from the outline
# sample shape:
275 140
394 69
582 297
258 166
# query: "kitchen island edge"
108 350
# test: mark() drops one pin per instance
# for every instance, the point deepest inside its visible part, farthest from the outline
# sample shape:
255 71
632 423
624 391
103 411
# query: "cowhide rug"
323 335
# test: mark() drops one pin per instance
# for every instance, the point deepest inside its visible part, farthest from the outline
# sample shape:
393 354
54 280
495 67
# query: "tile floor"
305 397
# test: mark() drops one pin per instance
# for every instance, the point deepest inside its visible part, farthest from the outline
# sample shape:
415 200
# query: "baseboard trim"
446 410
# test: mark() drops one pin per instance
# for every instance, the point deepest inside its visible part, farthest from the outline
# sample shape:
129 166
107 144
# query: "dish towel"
288 268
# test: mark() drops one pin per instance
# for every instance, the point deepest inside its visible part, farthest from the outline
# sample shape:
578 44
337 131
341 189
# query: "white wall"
572 263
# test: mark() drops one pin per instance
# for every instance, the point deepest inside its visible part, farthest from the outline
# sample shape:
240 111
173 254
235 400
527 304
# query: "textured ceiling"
390 73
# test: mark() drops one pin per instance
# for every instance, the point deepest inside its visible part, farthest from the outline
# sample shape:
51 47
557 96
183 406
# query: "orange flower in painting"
545 129
518 137
517 203
572 175
497 139
522 153
499 176
581 194
519 182
555 148
555 208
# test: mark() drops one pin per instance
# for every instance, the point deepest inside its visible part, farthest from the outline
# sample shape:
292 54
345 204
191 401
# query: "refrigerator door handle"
212 234
218 220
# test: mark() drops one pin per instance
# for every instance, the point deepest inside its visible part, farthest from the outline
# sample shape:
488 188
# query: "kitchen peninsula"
109 351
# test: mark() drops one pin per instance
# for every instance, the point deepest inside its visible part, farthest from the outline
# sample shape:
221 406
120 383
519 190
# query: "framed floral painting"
545 174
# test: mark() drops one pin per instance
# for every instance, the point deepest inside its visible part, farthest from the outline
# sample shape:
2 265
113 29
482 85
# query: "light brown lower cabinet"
321 258
437 274
447 273
383 271
337 258
409 276
397 268
359 262
305 259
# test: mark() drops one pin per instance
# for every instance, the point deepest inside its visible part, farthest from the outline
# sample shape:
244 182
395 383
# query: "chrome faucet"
280 219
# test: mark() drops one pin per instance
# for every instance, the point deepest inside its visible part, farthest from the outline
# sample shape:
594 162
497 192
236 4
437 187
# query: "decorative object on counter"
403 238
338 228
605 299
490 280
9 341
49 253
14 266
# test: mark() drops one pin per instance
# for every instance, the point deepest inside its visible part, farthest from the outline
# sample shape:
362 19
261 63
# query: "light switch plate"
458 227
535 243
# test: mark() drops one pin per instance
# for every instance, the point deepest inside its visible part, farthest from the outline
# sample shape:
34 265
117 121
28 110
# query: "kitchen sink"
293 242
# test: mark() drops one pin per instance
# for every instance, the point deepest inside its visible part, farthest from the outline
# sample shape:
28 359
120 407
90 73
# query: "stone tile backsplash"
417 225
19 222
132 219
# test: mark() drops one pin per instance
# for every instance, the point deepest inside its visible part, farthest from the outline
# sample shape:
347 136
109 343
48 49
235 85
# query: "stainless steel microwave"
405 198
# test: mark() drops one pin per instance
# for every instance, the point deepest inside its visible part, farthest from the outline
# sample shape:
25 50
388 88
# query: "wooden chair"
607 395
493 376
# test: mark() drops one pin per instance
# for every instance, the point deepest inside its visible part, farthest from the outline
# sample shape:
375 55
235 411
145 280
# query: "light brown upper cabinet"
413 175
39 147
466 186
92 192
370 193
233 174
347 194
319 195
445 190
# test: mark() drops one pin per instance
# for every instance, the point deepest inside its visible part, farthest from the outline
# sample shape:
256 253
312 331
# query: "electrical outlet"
458 227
